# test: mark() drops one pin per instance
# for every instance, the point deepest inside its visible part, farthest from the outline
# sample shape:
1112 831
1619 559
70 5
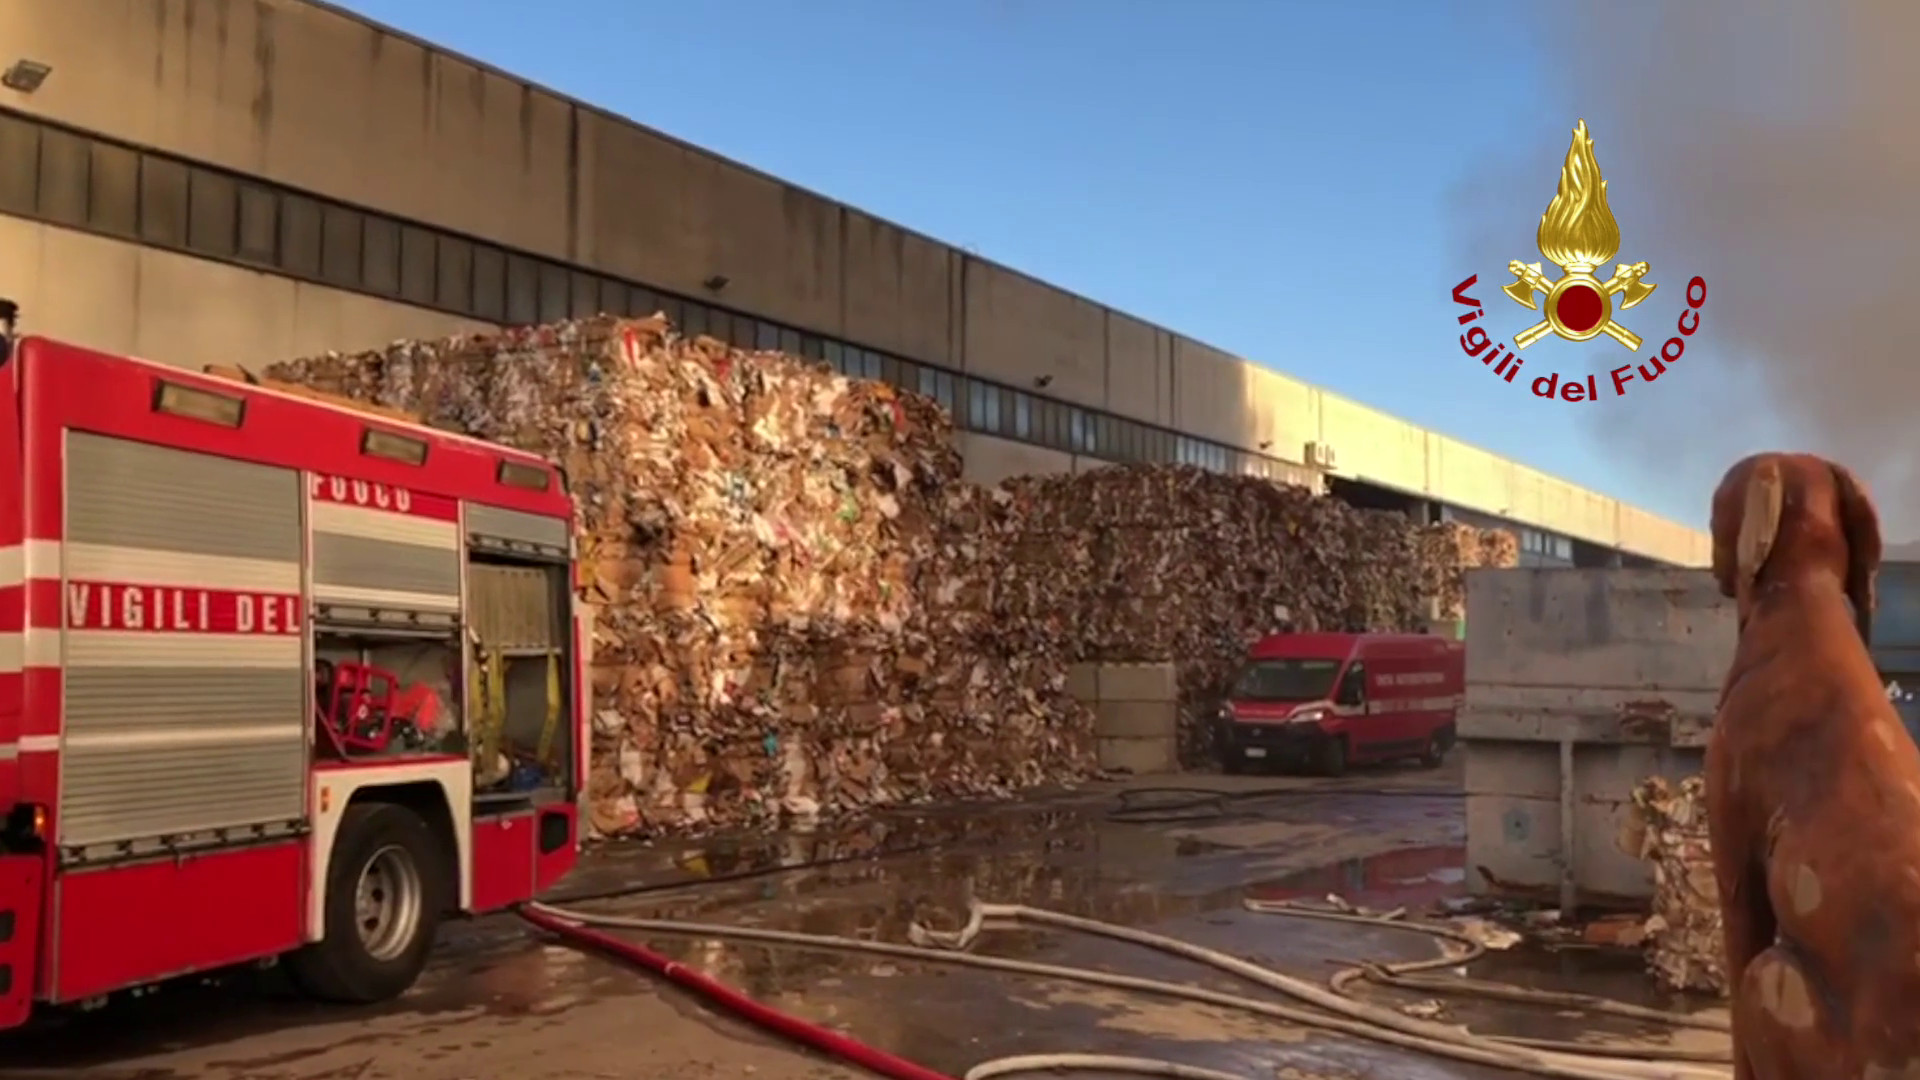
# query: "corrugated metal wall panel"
515 525
357 562
131 494
130 793
159 750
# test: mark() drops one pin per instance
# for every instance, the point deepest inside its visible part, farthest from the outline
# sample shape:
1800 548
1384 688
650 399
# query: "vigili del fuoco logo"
1578 235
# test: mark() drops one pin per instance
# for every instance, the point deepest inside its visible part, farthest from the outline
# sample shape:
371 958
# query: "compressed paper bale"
1668 829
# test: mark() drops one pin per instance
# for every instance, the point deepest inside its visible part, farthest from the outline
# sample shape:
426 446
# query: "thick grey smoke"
1771 147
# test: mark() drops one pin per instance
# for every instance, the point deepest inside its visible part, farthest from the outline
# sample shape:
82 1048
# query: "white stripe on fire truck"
19 651
29 744
179 569
33 559
385 599
239 734
149 649
367 523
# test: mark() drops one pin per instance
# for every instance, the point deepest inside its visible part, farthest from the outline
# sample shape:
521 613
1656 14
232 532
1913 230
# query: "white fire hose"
1330 1009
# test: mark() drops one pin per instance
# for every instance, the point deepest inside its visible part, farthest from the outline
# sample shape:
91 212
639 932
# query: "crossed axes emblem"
1625 283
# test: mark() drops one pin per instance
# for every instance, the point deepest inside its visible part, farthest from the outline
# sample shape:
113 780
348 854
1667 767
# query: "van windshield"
1291 679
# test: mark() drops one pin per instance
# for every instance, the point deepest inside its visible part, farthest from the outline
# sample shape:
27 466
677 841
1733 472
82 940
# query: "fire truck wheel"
383 905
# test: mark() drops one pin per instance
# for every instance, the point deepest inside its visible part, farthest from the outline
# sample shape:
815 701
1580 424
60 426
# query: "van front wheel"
1332 757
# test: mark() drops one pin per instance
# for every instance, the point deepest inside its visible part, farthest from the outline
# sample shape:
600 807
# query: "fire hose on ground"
1326 1008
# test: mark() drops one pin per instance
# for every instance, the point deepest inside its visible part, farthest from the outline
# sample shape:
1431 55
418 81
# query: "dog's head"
1782 516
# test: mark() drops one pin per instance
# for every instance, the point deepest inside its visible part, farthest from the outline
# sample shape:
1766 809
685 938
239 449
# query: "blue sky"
1278 179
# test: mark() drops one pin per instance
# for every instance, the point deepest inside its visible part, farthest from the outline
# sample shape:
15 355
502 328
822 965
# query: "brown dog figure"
1813 787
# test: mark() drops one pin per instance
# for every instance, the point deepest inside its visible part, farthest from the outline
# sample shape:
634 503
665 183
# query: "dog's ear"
1759 524
1860 526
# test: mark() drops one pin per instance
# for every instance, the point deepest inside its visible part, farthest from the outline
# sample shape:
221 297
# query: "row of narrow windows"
64 177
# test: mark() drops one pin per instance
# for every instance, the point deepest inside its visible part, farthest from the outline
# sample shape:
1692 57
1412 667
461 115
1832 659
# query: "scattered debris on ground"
1488 934
1621 931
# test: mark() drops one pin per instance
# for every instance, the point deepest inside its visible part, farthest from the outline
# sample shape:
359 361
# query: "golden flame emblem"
1578 234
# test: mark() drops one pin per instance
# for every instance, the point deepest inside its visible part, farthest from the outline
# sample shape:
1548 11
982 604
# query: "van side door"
1352 701
1393 706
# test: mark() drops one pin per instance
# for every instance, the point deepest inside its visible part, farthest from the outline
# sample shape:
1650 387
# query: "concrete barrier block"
1138 682
1141 757
1135 720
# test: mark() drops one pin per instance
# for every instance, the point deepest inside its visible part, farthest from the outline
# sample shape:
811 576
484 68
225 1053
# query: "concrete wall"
304 95
178 309
989 460
1616 672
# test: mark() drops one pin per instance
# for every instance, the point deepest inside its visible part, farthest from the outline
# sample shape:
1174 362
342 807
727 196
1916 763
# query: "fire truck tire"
383 904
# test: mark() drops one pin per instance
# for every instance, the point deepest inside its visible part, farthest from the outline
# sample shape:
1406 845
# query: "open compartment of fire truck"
517 632
442 629
518 654
494 688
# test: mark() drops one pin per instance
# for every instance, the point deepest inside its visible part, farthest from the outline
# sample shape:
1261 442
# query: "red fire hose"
827 1042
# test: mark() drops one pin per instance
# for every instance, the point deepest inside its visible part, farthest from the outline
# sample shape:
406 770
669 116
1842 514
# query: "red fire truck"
279 678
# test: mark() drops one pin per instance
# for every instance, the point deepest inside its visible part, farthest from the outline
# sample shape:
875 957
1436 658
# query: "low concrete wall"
1581 684
1136 714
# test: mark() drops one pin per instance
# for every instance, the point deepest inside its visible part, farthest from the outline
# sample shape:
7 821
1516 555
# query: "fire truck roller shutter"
184 702
372 550
516 532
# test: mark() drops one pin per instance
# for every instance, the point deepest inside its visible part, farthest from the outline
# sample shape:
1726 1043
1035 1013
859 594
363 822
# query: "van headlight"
1311 716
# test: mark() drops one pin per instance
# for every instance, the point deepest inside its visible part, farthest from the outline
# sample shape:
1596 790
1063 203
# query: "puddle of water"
1611 972
1414 878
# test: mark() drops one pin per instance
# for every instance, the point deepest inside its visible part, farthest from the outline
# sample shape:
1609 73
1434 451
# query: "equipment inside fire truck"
373 696
288 678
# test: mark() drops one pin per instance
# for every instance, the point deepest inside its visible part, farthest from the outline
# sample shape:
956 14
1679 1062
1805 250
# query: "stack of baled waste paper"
1668 828
802 609
1165 563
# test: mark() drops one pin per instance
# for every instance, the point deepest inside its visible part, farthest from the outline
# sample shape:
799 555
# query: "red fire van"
1330 700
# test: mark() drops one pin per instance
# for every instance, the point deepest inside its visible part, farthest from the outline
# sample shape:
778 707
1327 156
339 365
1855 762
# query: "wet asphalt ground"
500 1000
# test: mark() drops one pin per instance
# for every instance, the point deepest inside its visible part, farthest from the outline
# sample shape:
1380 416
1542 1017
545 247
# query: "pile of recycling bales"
802 609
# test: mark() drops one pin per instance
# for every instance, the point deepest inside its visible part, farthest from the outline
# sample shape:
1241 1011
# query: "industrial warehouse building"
243 181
